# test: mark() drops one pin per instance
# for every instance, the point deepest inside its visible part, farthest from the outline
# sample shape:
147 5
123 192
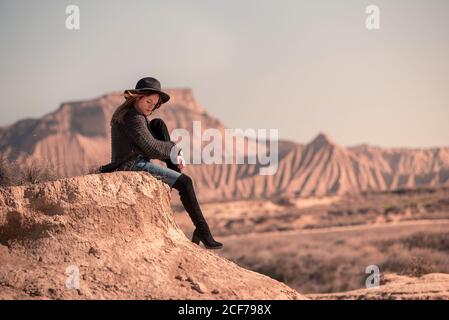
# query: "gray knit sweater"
133 138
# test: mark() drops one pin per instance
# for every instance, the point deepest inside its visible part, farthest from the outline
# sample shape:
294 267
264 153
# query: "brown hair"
130 99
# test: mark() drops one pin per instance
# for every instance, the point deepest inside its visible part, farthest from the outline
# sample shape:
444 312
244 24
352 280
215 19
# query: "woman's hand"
180 161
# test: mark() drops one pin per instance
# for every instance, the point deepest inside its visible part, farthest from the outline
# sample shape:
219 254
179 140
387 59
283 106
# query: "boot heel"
195 238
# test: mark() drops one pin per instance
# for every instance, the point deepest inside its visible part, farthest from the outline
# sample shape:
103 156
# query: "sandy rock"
399 287
111 236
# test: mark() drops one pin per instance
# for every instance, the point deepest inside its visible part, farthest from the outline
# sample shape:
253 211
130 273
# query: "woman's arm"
136 126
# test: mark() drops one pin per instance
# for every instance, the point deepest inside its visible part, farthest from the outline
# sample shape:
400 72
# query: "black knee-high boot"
187 195
159 130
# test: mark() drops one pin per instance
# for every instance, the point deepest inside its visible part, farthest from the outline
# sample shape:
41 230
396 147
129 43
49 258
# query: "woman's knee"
183 181
159 129
157 123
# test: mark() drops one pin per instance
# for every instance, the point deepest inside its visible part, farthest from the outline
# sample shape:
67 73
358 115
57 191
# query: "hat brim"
164 97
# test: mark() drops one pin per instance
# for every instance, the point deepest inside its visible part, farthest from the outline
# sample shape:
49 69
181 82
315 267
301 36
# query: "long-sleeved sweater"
133 138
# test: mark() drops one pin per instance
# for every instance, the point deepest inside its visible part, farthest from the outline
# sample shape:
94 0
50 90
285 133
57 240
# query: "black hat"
149 85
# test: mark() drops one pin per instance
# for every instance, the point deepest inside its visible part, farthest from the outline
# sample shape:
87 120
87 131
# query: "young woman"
135 141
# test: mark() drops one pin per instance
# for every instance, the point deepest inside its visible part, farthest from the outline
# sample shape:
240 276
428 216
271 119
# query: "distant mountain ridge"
77 136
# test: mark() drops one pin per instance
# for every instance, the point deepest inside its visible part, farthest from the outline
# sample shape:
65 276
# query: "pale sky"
302 67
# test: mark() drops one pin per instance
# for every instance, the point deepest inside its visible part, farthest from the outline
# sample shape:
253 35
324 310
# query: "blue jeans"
167 175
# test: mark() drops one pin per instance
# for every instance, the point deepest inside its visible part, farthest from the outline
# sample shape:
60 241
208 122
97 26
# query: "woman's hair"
130 99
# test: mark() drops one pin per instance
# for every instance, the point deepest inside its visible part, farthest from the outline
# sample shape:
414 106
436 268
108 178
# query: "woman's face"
146 104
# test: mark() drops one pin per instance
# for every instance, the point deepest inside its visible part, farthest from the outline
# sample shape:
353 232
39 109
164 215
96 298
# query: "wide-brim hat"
149 85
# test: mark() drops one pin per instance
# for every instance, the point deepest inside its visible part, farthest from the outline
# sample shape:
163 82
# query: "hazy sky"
299 66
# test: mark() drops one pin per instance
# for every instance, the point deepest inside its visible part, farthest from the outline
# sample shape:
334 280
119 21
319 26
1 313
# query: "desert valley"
313 227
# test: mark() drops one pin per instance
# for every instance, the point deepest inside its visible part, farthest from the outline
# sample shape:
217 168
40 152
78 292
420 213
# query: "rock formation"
77 136
111 236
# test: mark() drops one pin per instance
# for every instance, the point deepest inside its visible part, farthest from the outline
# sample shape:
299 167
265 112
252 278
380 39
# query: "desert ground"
320 245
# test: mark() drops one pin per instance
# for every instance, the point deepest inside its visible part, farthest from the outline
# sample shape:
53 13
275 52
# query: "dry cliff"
111 236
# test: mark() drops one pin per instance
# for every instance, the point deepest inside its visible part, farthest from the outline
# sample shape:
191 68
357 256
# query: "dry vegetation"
336 261
13 173
299 245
